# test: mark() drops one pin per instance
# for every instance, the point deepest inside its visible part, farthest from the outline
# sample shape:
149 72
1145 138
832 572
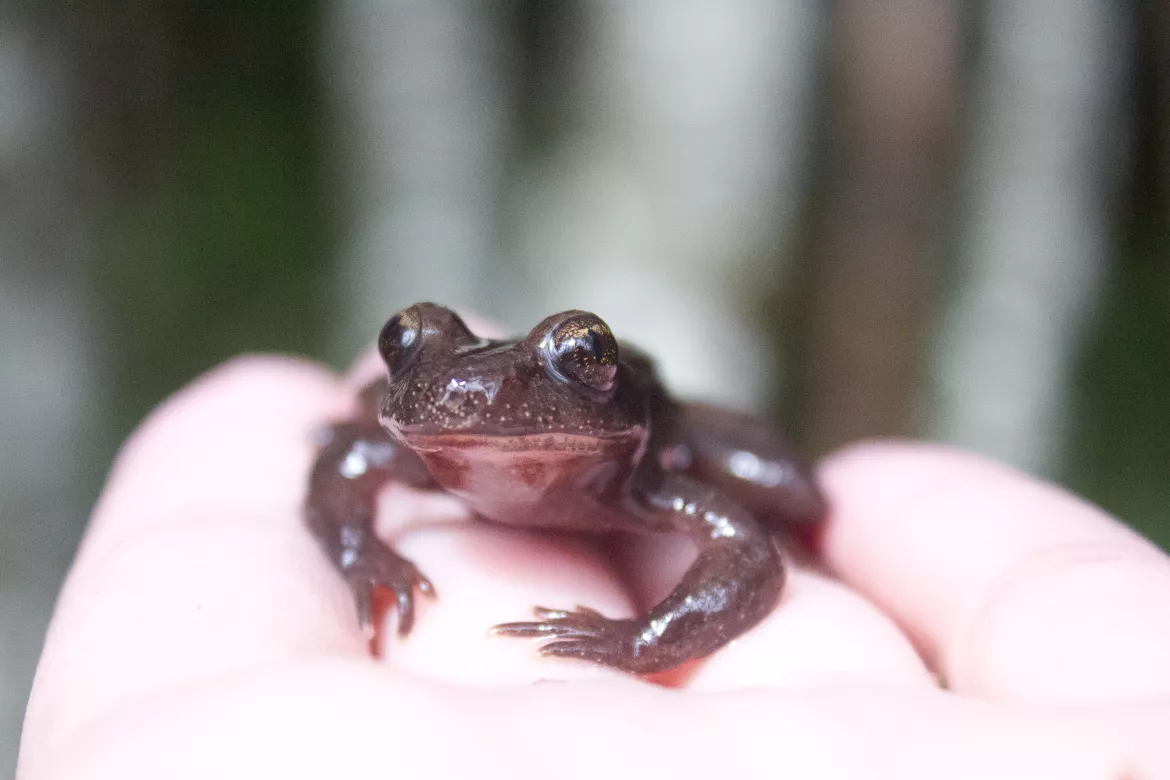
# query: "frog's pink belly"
555 482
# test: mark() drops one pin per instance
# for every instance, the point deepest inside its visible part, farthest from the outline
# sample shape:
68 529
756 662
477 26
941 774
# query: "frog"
564 429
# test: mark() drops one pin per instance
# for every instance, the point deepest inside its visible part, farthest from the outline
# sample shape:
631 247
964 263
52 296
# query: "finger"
820 632
196 560
1014 588
310 722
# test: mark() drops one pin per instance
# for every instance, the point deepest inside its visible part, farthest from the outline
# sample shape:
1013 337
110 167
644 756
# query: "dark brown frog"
564 429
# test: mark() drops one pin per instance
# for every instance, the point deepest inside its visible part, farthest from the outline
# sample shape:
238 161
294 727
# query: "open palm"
202 634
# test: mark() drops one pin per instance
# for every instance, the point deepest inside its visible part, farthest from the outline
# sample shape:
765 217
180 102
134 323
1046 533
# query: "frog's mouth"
498 474
485 444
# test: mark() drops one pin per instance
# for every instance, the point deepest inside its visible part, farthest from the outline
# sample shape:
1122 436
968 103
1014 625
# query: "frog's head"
472 405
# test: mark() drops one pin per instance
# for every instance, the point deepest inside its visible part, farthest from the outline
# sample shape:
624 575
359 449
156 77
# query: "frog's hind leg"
356 459
735 582
750 462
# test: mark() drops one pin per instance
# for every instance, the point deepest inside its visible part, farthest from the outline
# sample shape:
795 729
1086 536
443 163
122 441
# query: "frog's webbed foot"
586 635
374 566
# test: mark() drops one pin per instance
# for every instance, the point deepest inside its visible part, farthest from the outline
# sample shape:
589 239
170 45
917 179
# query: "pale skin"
201 633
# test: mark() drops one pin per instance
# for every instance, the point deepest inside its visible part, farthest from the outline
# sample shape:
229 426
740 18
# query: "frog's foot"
586 635
375 566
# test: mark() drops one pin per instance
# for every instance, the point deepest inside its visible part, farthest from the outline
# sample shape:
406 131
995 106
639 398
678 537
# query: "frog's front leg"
357 458
733 584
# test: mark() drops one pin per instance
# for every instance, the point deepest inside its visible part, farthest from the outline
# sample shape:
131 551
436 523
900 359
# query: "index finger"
1011 587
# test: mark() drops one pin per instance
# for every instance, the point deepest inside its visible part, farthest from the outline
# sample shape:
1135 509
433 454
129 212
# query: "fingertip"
241 431
233 400
886 468
265 382
1013 587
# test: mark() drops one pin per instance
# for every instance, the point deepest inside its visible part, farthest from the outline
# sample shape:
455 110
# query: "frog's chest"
567 483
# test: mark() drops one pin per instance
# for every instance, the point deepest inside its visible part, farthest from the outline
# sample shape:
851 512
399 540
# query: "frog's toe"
594 649
385 569
558 624
583 634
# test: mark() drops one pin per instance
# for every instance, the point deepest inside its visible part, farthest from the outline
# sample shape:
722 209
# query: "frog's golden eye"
399 340
583 350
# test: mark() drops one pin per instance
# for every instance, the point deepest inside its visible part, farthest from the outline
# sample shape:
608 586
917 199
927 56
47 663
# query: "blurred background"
924 217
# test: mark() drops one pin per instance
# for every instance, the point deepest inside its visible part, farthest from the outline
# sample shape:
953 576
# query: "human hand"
202 634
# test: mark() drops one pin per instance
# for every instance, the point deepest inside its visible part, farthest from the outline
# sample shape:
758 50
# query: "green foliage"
1120 452
226 246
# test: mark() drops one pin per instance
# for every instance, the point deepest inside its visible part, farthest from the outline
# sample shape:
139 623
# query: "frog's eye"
583 350
399 340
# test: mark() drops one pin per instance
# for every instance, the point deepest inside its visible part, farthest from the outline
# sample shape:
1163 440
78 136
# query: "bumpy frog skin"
564 429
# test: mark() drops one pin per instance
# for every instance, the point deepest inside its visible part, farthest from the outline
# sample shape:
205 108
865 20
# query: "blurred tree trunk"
1035 228
46 377
882 214
421 109
671 178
